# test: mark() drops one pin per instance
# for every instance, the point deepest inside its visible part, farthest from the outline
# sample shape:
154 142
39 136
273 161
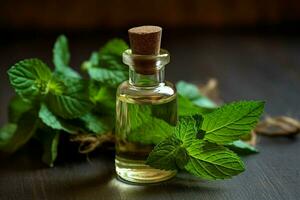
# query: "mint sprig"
205 157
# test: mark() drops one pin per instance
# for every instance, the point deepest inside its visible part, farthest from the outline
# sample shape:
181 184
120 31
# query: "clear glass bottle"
141 101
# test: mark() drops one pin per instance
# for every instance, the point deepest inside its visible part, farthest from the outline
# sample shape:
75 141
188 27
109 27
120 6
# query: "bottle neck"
148 80
146 70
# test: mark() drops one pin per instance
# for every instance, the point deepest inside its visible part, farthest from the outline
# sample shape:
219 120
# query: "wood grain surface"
248 66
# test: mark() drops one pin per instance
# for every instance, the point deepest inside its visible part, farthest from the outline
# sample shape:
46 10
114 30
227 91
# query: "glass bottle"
142 101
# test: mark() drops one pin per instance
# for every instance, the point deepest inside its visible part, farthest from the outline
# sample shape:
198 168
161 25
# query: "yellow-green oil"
131 153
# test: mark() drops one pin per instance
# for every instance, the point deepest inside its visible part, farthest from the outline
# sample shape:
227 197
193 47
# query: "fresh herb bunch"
51 103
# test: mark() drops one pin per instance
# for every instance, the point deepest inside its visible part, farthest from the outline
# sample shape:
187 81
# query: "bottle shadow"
107 184
83 179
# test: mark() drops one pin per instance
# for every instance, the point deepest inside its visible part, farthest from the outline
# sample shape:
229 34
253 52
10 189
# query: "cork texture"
145 40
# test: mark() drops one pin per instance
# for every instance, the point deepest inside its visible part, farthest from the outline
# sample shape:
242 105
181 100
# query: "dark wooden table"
248 66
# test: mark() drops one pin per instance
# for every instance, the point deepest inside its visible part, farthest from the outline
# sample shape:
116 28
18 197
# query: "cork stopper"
145 40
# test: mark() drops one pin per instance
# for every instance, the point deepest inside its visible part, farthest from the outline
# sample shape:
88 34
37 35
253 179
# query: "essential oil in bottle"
143 102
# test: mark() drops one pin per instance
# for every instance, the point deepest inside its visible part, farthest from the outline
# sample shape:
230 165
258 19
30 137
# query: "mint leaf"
16 136
188 108
106 66
97 124
186 130
108 76
17 106
50 140
229 122
6 133
168 155
171 153
30 78
152 131
61 54
191 101
145 128
55 122
182 158
100 93
192 92
114 47
72 102
211 161
50 149
168 113
61 57
242 148
104 97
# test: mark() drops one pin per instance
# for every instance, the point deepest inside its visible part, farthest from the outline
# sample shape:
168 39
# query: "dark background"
251 47
91 14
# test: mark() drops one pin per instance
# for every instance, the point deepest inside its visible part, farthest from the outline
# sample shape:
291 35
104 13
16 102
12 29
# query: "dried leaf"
88 142
252 140
278 126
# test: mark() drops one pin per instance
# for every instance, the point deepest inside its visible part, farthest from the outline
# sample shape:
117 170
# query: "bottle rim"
159 60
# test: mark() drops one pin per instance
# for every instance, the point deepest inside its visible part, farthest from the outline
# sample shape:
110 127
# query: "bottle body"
142 112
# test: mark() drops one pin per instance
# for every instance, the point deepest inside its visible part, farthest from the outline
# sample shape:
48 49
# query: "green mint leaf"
229 122
242 148
168 113
182 158
186 130
211 161
108 76
152 131
30 78
191 92
100 93
144 127
114 47
16 137
106 66
17 106
104 97
49 138
73 101
61 57
6 133
61 54
50 149
55 122
97 124
92 62
188 108
168 155
171 153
